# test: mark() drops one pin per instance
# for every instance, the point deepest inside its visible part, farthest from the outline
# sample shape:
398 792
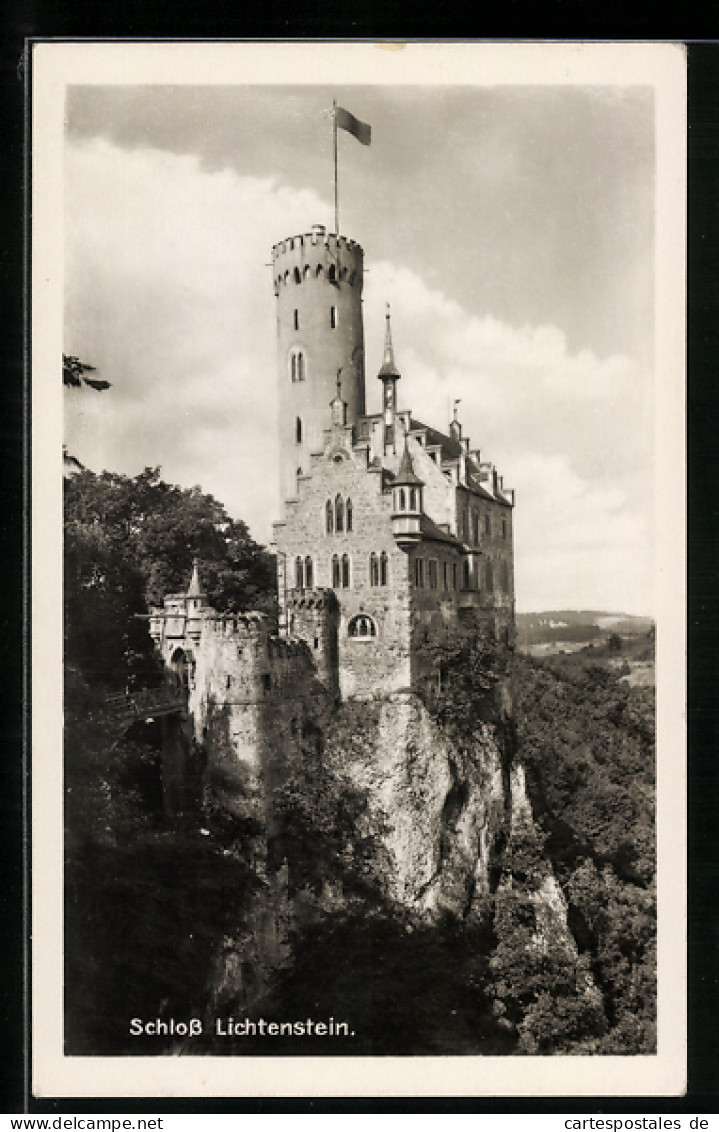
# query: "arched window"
413 499
298 430
299 574
373 570
297 276
297 365
402 500
383 572
361 627
489 575
345 571
336 574
307 272
318 272
348 514
287 277
308 572
329 517
475 527
465 574
339 514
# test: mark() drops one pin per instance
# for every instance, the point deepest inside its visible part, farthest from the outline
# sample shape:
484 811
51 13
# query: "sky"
510 228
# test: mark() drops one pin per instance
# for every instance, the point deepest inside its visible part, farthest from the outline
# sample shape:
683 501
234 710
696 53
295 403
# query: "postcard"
358 569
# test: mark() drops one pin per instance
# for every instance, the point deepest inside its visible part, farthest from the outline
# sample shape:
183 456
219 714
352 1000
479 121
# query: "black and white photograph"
358 617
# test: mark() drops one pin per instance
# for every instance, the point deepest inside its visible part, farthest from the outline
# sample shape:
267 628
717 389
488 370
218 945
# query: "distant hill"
577 626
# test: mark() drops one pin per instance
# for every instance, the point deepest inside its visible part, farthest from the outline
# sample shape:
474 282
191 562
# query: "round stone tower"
318 283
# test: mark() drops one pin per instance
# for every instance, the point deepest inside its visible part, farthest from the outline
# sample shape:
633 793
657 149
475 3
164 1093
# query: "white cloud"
167 294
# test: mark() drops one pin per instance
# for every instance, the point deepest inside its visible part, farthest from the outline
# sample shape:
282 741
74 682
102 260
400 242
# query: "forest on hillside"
150 906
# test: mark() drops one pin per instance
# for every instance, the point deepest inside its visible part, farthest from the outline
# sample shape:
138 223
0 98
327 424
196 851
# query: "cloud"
167 294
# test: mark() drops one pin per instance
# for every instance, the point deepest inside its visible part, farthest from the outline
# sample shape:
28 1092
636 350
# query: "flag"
347 121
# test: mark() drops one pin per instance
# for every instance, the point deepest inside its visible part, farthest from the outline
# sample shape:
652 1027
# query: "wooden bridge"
147 704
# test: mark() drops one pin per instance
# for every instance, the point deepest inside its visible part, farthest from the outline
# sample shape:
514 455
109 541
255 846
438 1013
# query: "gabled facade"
407 525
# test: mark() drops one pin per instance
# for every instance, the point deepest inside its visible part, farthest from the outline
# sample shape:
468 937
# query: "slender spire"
389 367
195 589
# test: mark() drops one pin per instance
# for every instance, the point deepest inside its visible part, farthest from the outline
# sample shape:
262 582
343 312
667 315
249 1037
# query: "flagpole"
334 137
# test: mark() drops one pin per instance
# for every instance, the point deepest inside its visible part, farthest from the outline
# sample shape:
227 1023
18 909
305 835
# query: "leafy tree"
128 542
74 373
542 988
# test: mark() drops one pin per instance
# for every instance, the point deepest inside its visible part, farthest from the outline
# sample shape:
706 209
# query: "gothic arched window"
383 569
299 574
336 574
348 514
308 572
373 570
339 514
329 517
345 571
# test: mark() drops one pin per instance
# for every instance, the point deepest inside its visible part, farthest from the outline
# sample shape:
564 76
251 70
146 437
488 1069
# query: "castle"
394 535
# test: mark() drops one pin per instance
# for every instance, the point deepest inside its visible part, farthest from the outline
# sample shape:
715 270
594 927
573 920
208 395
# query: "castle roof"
430 532
405 474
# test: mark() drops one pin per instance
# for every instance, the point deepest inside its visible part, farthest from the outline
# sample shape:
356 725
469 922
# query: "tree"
74 374
128 542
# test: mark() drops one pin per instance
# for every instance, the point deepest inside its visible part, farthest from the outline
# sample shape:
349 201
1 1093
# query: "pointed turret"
389 376
194 603
195 589
407 501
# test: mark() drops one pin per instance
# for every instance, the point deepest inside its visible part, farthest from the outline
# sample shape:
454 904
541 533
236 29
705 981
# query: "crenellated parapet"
316 255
